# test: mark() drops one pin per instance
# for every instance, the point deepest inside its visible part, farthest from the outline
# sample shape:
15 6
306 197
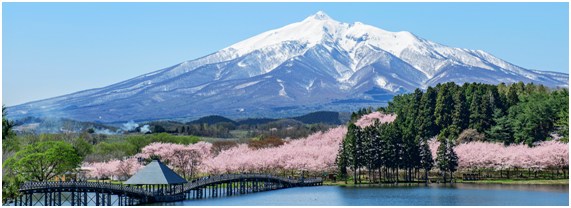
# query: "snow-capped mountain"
314 64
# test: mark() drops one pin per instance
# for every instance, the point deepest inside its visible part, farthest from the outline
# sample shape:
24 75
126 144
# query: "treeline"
382 150
516 113
282 128
94 147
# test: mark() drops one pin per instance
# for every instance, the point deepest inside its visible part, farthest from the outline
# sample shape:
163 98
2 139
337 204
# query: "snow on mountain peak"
309 32
320 15
320 28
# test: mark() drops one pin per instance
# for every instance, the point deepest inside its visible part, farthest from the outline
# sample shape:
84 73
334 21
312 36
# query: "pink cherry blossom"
370 119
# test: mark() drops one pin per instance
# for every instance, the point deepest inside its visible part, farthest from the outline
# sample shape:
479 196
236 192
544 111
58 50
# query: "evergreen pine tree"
442 159
511 98
341 161
461 115
427 127
444 106
502 131
426 161
351 149
452 158
476 112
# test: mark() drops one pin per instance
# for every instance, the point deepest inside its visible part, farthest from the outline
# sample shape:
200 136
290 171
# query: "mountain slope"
315 64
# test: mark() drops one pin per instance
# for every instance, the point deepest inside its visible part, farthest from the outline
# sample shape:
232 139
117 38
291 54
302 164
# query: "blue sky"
51 49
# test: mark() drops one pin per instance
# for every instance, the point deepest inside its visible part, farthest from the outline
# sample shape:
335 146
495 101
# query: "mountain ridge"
302 67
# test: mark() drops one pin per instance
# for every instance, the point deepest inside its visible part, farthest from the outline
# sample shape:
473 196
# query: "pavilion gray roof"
155 173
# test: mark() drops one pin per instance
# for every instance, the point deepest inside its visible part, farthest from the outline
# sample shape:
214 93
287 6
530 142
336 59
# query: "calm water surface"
457 195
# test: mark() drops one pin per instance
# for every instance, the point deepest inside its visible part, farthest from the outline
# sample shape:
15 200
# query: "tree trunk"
397 175
359 175
355 176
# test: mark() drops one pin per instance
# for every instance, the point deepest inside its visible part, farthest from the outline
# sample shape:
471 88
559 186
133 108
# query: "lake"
433 195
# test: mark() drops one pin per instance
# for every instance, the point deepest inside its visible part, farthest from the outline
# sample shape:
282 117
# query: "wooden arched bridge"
107 194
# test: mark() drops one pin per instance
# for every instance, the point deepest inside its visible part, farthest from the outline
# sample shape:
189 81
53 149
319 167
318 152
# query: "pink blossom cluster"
317 152
112 169
370 119
169 151
473 155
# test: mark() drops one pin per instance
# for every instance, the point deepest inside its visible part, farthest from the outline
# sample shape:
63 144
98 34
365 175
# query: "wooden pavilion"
156 177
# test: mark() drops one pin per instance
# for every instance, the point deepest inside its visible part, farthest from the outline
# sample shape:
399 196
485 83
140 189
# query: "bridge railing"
131 189
82 184
226 177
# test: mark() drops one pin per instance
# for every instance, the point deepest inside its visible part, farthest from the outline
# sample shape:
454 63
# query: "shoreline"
499 181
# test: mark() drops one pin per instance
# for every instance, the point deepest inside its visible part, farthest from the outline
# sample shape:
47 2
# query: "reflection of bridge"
106 194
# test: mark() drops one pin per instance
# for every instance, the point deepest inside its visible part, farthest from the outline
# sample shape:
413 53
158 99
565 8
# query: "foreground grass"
106 181
366 183
522 181
350 183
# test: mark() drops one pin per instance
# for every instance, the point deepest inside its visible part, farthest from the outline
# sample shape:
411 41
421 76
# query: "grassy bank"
522 181
497 181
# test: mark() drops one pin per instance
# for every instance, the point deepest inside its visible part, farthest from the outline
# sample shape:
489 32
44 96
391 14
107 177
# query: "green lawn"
521 181
106 181
498 181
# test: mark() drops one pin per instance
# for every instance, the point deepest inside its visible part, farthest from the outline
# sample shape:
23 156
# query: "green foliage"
520 113
10 185
9 142
446 160
502 131
562 122
533 118
82 147
427 125
514 113
44 160
120 147
140 141
477 113
426 160
444 106
461 113
342 160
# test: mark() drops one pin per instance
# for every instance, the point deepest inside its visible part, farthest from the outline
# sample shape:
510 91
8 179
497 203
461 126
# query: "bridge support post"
72 201
50 198
46 197
96 198
20 199
109 202
256 185
84 197
242 186
78 197
102 198
59 197
214 190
